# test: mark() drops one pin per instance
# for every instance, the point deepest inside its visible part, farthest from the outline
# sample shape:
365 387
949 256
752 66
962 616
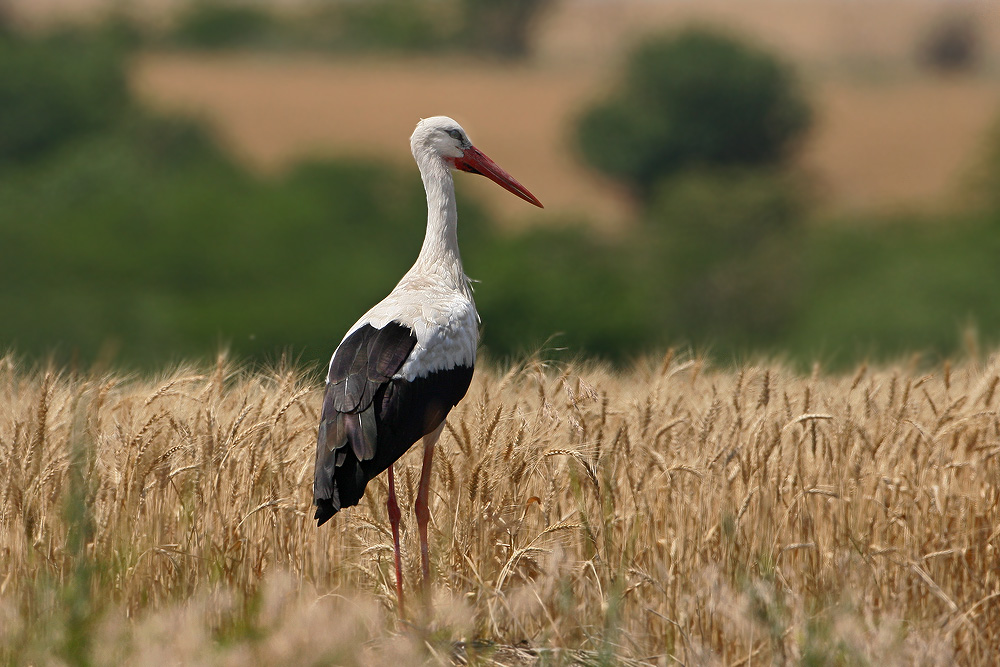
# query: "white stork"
403 366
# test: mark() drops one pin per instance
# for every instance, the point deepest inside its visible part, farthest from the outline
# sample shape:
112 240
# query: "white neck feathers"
439 253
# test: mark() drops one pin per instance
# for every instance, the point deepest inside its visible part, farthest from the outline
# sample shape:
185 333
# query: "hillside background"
216 181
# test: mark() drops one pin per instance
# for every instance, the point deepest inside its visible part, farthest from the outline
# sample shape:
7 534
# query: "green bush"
722 250
55 90
884 288
479 26
555 288
394 25
501 28
694 100
209 24
953 44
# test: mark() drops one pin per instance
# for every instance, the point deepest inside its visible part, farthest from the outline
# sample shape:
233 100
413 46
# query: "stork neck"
439 253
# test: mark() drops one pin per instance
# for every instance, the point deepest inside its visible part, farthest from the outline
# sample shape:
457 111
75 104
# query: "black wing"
370 419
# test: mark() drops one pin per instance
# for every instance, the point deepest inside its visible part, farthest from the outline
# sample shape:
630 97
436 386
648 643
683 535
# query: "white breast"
444 321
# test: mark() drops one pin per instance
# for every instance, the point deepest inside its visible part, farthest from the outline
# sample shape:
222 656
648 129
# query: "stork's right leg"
422 510
393 507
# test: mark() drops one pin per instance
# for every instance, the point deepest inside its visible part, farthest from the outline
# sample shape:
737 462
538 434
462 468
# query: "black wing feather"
371 418
358 369
388 355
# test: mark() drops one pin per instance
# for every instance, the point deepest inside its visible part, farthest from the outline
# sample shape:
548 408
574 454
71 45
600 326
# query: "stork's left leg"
423 513
393 508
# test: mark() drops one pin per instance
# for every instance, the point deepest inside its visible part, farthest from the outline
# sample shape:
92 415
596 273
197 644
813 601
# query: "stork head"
444 139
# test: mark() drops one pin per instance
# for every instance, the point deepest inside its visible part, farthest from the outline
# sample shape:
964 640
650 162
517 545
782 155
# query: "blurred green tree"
393 25
722 253
57 89
883 288
209 24
481 26
953 44
694 100
557 287
502 28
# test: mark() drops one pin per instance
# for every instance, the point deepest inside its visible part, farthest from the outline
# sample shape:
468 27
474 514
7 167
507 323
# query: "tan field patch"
902 146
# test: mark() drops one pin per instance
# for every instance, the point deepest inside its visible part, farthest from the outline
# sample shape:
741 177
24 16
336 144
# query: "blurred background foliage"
497 29
697 99
130 236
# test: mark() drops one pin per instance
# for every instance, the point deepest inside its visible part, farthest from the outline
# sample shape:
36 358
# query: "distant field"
903 144
675 512
908 146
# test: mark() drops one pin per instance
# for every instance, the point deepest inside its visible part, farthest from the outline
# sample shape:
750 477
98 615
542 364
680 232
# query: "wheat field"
674 512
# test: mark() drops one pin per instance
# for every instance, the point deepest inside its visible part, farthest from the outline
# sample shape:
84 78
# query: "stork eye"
455 134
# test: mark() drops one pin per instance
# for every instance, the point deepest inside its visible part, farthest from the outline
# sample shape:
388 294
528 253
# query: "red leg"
422 511
393 507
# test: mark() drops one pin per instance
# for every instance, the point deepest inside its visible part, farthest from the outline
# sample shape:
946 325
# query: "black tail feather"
324 511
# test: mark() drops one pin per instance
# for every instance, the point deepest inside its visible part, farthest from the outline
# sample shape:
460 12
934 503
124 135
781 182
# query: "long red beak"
475 161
